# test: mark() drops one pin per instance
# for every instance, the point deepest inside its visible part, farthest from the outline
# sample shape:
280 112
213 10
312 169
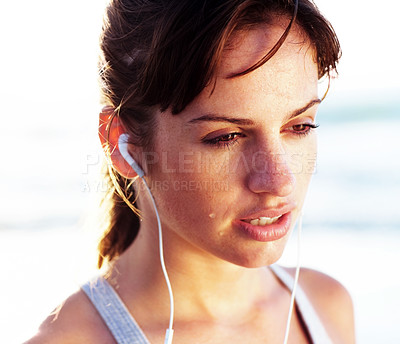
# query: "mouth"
265 229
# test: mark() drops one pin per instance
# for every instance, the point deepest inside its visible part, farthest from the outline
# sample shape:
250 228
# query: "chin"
267 255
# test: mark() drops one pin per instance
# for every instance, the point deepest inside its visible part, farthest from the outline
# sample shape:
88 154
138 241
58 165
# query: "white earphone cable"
296 278
170 332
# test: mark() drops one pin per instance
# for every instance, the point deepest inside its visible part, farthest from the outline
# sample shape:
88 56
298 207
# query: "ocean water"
351 227
358 169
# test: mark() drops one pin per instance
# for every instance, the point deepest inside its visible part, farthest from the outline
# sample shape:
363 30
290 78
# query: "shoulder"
332 302
74 321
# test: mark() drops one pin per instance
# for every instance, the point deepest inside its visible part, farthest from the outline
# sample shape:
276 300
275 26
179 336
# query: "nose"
271 173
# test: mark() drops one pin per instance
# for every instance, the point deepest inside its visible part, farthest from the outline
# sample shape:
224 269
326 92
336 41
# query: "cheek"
194 188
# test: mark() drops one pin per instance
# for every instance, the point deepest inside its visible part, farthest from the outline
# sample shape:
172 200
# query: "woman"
216 102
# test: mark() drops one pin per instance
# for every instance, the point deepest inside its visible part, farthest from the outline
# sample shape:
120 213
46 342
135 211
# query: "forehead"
246 47
290 76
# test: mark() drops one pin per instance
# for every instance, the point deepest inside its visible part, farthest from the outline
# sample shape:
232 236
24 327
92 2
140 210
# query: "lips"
267 225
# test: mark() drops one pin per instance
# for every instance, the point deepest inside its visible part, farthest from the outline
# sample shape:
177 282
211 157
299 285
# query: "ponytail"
122 224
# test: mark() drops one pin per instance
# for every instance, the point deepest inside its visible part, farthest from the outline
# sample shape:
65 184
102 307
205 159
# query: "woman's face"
231 171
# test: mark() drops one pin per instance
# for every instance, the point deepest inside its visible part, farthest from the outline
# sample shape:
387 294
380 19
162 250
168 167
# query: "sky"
368 31
50 48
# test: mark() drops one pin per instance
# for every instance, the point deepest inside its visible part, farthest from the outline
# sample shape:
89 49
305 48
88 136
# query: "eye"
303 128
225 140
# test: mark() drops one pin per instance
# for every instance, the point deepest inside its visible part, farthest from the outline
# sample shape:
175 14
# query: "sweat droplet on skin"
212 215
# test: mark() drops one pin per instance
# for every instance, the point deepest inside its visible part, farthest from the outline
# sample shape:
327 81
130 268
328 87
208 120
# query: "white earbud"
123 149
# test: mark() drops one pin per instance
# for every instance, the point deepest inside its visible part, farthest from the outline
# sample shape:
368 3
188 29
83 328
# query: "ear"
110 129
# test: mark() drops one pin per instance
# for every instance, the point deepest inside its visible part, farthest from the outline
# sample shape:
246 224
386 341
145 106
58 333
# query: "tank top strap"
311 320
126 331
113 311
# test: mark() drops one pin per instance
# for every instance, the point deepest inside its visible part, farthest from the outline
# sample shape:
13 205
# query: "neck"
204 286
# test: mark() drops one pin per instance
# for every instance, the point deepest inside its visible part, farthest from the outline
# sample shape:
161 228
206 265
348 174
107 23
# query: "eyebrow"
303 109
216 118
244 121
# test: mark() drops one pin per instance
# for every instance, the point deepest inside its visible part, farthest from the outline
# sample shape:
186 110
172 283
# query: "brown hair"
160 54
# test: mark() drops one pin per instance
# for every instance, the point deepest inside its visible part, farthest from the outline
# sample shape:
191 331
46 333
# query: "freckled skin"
269 165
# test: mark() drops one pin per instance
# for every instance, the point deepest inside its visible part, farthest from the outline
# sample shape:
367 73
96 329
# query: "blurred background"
50 180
